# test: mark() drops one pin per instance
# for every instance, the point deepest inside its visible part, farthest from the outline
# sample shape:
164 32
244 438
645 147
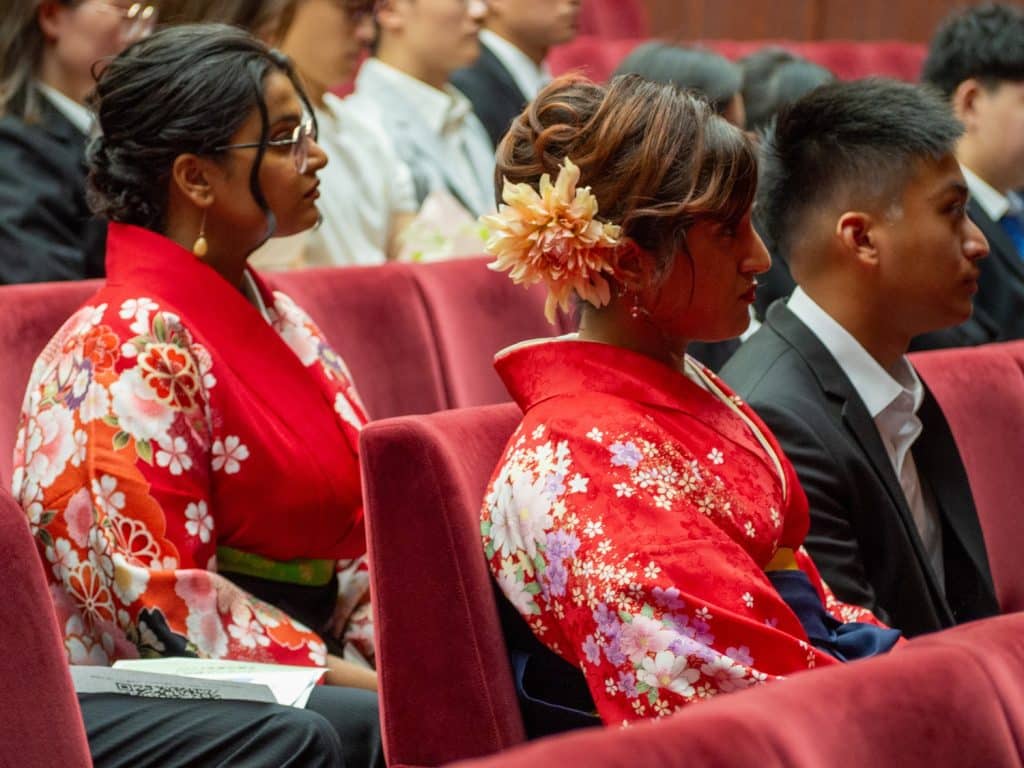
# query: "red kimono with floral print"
630 522
169 417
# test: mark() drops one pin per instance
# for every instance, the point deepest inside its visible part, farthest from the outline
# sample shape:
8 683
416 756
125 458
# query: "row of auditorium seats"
597 57
418 338
424 478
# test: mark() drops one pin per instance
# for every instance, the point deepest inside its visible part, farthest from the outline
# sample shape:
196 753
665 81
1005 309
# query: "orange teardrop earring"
200 246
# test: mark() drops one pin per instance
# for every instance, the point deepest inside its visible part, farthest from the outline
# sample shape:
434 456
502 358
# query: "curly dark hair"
985 42
186 89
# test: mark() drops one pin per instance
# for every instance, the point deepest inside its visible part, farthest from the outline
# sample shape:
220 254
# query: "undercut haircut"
847 145
985 42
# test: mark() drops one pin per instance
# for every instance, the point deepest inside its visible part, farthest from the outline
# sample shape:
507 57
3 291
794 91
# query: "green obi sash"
307 572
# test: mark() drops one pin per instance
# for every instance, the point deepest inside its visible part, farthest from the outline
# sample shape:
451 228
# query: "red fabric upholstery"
597 58
1014 349
475 312
614 18
40 723
446 691
939 701
374 318
29 315
981 393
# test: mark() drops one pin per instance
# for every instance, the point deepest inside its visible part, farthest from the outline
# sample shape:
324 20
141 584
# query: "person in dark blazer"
47 53
862 194
511 70
976 60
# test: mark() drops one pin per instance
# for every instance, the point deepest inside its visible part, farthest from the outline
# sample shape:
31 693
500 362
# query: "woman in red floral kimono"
187 448
643 521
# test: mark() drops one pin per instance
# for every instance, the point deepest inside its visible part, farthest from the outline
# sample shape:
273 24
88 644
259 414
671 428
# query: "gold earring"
200 246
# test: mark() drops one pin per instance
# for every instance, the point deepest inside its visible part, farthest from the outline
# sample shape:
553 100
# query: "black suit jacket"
863 537
1001 285
46 229
496 98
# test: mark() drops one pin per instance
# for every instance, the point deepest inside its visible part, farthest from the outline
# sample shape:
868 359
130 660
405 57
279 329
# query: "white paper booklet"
186 678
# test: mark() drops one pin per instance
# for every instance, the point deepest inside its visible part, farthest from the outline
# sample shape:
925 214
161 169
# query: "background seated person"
48 52
511 70
644 522
864 198
976 60
160 421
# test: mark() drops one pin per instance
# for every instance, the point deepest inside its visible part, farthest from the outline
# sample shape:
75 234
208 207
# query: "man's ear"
193 177
858 234
48 16
965 101
388 17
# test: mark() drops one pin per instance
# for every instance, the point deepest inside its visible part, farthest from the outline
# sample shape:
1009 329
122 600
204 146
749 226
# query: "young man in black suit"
515 41
862 194
976 60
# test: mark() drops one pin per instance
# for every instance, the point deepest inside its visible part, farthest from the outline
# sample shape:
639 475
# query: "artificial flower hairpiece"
554 236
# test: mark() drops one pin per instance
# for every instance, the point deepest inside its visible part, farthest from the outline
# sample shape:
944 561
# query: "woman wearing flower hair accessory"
643 521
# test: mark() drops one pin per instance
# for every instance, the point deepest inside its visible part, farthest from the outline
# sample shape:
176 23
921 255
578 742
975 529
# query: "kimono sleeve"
113 467
616 547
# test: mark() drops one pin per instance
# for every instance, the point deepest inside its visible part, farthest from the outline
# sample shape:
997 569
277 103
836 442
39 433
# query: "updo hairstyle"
657 158
185 89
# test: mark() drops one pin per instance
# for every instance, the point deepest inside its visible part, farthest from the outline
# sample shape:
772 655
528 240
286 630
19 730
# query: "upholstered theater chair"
375 319
946 700
849 60
1014 349
29 315
446 690
40 723
612 19
474 313
981 393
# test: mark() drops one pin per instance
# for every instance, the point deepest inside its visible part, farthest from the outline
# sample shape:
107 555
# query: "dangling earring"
636 310
200 246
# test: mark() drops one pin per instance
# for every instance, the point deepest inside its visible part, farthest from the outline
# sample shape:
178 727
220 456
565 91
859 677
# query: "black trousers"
339 727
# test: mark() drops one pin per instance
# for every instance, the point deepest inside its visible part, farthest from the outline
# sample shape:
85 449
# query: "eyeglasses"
302 137
138 20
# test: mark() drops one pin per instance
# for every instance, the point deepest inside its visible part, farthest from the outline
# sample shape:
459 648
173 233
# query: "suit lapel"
851 413
938 462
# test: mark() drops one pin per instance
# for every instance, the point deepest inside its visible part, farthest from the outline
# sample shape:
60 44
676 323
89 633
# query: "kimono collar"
221 317
539 370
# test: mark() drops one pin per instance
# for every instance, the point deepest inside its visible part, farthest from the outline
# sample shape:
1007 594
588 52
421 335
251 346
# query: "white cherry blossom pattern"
228 454
173 453
199 521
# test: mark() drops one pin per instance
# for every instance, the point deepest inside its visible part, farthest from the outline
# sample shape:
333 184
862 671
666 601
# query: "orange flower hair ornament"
554 236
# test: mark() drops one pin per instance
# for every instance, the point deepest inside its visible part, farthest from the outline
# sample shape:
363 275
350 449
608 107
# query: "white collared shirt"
993 202
529 78
448 114
77 114
892 399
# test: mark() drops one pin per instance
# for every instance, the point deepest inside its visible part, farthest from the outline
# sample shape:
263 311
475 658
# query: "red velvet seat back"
446 691
597 58
613 18
950 699
40 723
981 393
29 316
375 319
474 313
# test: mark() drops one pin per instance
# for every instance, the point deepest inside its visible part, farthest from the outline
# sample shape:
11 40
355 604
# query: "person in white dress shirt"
976 60
404 90
366 191
512 68
48 50
863 196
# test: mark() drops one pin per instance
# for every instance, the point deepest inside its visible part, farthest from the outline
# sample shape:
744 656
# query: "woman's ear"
634 267
193 177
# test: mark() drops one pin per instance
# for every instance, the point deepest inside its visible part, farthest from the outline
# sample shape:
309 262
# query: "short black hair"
185 89
985 42
774 77
847 143
705 72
